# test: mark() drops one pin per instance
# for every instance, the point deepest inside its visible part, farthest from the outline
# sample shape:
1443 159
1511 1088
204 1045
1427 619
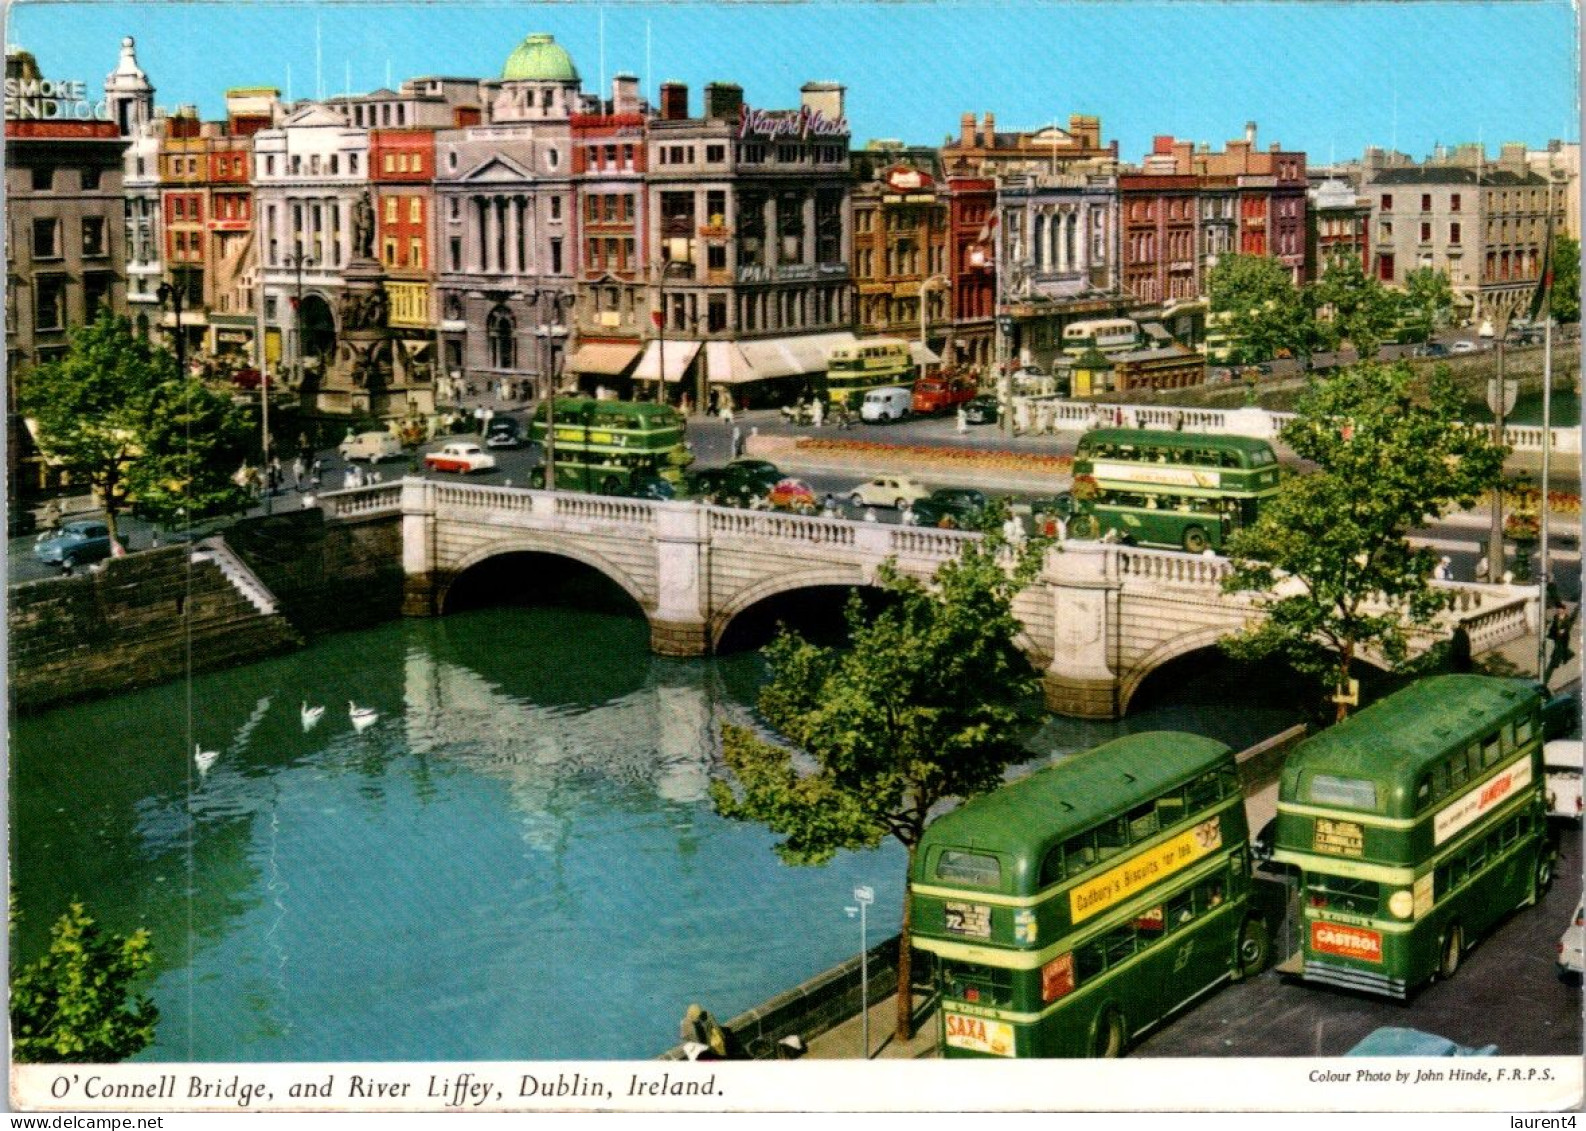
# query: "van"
372 446
891 403
1561 763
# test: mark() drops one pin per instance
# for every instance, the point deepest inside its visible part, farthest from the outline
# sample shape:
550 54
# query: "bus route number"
973 919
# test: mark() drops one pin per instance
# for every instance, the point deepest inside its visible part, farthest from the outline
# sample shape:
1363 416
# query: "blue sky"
1326 76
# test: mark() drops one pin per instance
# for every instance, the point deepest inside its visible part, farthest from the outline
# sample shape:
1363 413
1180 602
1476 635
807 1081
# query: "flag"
1544 285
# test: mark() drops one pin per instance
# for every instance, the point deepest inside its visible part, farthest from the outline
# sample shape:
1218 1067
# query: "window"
390 162
43 179
553 158
1351 793
415 210
390 210
94 236
415 252
500 331
388 252
1453 233
46 241
716 154
1453 202
556 256
50 304
976 868
1387 202
454 253
556 208
352 163
1426 231
91 179
1426 202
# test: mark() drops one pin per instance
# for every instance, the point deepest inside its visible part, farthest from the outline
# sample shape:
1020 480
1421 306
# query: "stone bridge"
1097 621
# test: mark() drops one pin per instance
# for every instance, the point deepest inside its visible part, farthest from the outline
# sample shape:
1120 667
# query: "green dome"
539 59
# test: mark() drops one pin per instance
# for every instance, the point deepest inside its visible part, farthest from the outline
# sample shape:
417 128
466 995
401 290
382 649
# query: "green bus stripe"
1343 866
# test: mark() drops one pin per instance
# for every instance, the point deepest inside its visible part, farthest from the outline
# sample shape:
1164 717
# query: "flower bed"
929 455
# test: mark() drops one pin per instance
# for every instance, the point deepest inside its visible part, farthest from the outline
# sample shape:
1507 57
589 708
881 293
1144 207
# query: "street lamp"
863 897
666 265
173 295
297 260
1500 398
549 335
934 281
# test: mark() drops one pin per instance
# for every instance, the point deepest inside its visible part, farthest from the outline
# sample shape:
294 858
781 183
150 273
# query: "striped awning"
610 359
679 356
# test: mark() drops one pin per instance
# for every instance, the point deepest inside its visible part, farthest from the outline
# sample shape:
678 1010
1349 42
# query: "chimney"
674 101
723 100
826 98
966 131
1162 145
989 131
1183 152
1250 134
625 93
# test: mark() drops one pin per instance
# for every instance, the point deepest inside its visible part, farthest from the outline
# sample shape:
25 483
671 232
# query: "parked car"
1463 347
1569 948
793 495
950 507
881 405
462 458
1432 349
503 432
737 484
942 393
888 491
1561 762
1392 1040
654 487
372 446
981 410
76 543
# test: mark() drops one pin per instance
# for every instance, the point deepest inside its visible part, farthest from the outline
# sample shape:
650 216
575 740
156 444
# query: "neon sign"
800 123
52 100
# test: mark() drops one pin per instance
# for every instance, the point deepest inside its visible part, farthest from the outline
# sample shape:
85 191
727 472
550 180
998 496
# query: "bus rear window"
974 868
1352 793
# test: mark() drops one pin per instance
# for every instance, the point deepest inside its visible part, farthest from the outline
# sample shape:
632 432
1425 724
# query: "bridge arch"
825 577
550 546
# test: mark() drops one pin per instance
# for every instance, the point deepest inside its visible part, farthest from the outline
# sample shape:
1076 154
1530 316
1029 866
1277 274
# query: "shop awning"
922 355
679 355
726 365
610 359
772 357
1156 332
815 350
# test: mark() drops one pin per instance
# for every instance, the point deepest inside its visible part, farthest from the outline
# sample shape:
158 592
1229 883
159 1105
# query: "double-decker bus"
874 363
1415 825
1177 489
1109 335
608 446
1076 908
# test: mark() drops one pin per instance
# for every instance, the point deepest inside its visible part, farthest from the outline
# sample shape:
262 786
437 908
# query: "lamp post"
550 334
664 268
864 896
1500 398
297 260
173 295
934 281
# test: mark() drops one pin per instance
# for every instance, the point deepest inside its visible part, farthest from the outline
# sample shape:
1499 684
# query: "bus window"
1079 853
975 868
1170 809
1181 908
1204 791
1111 837
1142 822
1491 751
1352 793
1340 893
987 984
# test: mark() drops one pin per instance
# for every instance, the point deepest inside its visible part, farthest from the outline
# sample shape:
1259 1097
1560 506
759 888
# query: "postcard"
561 554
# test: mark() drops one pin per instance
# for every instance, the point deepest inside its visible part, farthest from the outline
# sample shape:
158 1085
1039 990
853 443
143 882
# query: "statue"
363 227
376 308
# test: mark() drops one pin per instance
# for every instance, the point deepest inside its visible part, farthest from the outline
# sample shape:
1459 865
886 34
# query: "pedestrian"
726 409
1178 426
870 514
818 412
963 421
1062 529
909 518
1440 573
713 403
299 471
687 404
1013 530
1483 569
829 507
52 515
737 441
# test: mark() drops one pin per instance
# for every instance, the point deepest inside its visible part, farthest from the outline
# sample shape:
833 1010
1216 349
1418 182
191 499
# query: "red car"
461 458
793 495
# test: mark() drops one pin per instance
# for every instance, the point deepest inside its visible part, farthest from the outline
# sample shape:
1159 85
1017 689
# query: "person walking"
726 409
963 421
737 441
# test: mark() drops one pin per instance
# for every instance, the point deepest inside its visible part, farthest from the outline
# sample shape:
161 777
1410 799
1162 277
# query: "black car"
737 484
653 487
503 432
950 507
1433 349
981 410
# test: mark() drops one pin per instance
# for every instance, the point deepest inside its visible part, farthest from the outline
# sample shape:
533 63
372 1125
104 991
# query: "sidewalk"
846 1041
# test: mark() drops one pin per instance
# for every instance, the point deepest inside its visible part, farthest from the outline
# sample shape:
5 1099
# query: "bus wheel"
1108 1041
1252 948
1544 874
1453 946
1084 527
610 485
1195 540
537 478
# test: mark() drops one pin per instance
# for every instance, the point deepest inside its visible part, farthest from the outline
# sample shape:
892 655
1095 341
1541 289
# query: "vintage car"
462 458
74 544
793 495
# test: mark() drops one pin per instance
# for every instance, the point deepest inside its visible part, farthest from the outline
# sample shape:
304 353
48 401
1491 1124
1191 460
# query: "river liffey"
516 861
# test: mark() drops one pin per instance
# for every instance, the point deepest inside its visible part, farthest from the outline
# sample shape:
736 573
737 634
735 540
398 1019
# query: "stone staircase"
241 577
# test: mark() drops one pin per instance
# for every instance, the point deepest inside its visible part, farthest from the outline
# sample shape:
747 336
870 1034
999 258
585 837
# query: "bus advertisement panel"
1415 825
1073 910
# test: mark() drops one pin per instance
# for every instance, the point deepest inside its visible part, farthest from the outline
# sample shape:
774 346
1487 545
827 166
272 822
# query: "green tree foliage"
116 414
1565 300
1265 311
76 1004
922 707
1328 556
1364 312
1429 299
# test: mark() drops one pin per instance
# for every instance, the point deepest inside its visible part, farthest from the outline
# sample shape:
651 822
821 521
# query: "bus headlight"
1401 903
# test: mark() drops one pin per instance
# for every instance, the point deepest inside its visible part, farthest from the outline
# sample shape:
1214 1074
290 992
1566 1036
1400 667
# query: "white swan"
204 759
310 716
362 717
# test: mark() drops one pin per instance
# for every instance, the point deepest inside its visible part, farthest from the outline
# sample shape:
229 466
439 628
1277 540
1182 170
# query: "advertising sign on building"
31 99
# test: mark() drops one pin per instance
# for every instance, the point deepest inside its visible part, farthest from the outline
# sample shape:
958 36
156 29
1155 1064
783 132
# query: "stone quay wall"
141 620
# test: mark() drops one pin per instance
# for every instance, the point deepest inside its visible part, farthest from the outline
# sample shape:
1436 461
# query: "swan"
311 715
362 717
204 759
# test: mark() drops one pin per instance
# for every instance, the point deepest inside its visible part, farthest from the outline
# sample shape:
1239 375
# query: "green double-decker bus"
1181 490
1415 825
1076 908
610 447
871 363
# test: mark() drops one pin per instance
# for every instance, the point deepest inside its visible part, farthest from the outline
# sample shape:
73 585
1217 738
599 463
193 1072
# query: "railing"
361 502
1488 630
1171 567
734 523
459 496
602 508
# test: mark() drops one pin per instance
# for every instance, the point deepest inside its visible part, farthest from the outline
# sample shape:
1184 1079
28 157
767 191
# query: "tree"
75 1004
1328 557
114 412
1565 300
1364 311
1264 310
922 707
1429 299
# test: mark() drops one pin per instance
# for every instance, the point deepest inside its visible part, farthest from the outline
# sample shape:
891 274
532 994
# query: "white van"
891 403
1561 762
372 446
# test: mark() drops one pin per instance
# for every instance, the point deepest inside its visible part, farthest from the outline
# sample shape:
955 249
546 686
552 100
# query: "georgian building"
1338 225
900 257
505 224
1482 222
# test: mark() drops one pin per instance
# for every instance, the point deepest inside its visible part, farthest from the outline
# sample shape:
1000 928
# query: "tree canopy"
76 1003
923 706
1328 557
1565 299
1364 312
1429 299
1266 313
115 413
